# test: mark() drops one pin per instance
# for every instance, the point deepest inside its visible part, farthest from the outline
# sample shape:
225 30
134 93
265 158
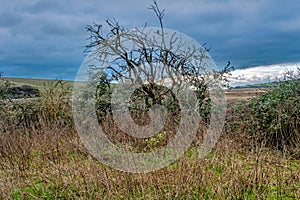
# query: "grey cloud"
42 6
9 20
248 33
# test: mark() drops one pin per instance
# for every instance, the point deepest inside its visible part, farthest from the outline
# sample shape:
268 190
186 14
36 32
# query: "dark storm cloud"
247 32
9 20
40 35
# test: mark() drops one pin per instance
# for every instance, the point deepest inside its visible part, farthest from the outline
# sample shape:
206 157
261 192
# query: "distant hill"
29 87
38 83
263 85
23 91
258 85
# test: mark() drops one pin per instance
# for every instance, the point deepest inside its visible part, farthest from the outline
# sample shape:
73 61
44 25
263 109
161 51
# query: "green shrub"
52 108
24 113
4 95
273 118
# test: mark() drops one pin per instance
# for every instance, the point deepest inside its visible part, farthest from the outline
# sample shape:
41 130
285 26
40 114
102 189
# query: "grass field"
234 95
238 95
38 83
47 160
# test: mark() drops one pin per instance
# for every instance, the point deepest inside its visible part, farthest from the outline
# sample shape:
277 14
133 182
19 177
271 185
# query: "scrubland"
256 157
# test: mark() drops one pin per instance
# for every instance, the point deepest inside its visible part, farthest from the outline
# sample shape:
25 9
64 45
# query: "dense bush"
52 107
23 91
273 118
4 99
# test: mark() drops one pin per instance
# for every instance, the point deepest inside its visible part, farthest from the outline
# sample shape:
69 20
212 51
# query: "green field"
38 83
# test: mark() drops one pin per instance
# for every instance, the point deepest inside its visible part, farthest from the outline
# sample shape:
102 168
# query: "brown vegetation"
44 158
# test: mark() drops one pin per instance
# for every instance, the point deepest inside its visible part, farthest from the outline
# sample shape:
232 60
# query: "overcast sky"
46 38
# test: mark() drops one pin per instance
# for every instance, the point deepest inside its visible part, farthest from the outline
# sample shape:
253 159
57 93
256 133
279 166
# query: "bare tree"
158 60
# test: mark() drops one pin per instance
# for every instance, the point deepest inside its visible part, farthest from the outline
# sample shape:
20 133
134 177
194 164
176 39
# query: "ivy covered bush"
273 118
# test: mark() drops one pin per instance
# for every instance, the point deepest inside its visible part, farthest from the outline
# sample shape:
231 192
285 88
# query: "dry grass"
244 94
50 162
53 164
